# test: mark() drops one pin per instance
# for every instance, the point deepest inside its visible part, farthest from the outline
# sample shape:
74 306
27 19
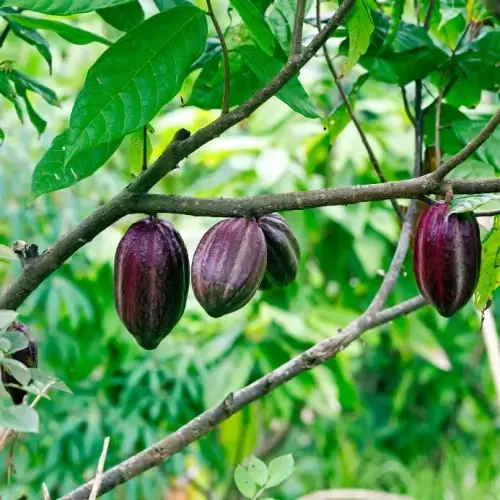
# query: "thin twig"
145 147
42 393
428 15
296 45
437 129
100 468
409 114
4 34
417 167
350 110
225 56
45 491
470 148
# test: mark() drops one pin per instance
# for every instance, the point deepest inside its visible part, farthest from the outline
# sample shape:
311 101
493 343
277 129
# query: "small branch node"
25 252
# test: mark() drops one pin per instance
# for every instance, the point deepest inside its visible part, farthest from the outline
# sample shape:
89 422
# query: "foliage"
409 410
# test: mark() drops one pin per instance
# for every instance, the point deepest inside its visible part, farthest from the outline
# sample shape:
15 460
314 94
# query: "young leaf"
469 203
360 27
48 95
257 24
123 17
39 123
19 371
489 278
19 418
34 38
266 68
258 471
279 469
69 33
244 482
17 341
51 173
136 150
63 7
128 85
6 318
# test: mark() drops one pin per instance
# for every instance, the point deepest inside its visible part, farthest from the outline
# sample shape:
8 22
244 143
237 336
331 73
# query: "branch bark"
208 420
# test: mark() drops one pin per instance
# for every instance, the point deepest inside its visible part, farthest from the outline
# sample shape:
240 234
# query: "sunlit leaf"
279 469
258 471
6 318
470 203
19 418
19 371
244 482
17 341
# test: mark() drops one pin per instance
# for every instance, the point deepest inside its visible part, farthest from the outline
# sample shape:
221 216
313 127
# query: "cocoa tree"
144 70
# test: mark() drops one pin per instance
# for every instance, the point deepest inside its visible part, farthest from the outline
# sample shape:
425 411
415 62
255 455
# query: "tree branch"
467 151
4 34
225 56
208 420
354 494
296 45
350 110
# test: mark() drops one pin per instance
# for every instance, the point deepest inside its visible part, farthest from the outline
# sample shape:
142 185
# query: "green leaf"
136 150
470 203
6 318
51 174
489 152
212 51
19 418
337 121
4 344
48 95
7 254
279 469
244 482
69 33
258 471
397 12
123 17
266 68
44 378
8 92
128 85
209 86
360 27
19 371
39 123
164 5
62 7
257 24
17 341
2 137
489 278
34 38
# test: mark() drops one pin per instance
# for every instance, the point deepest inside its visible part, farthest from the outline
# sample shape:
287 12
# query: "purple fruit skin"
27 356
283 252
151 280
447 258
228 265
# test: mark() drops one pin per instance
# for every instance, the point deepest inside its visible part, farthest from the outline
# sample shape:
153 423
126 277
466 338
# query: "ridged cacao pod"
27 356
447 258
228 265
283 252
151 280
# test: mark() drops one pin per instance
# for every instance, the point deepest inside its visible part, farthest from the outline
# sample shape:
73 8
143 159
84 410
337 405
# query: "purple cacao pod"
447 258
283 252
27 356
151 280
228 265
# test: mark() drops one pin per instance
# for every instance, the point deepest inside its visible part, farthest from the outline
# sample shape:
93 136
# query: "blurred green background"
408 409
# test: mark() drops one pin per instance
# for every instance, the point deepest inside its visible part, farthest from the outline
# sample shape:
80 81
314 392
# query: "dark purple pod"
27 356
228 265
283 252
447 258
151 280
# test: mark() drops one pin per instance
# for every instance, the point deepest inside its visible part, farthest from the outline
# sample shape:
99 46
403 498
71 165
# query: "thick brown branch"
467 151
211 418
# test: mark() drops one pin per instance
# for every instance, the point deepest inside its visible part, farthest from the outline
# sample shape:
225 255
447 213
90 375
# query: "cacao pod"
27 356
283 252
447 258
228 265
151 280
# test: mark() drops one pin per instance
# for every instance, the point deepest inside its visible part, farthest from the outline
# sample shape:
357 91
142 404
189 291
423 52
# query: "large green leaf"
360 27
136 77
257 24
69 33
19 418
51 173
62 7
489 278
470 203
266 68
123 17
209 86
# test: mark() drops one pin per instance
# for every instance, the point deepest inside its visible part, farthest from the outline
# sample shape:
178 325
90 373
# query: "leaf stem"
225 56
